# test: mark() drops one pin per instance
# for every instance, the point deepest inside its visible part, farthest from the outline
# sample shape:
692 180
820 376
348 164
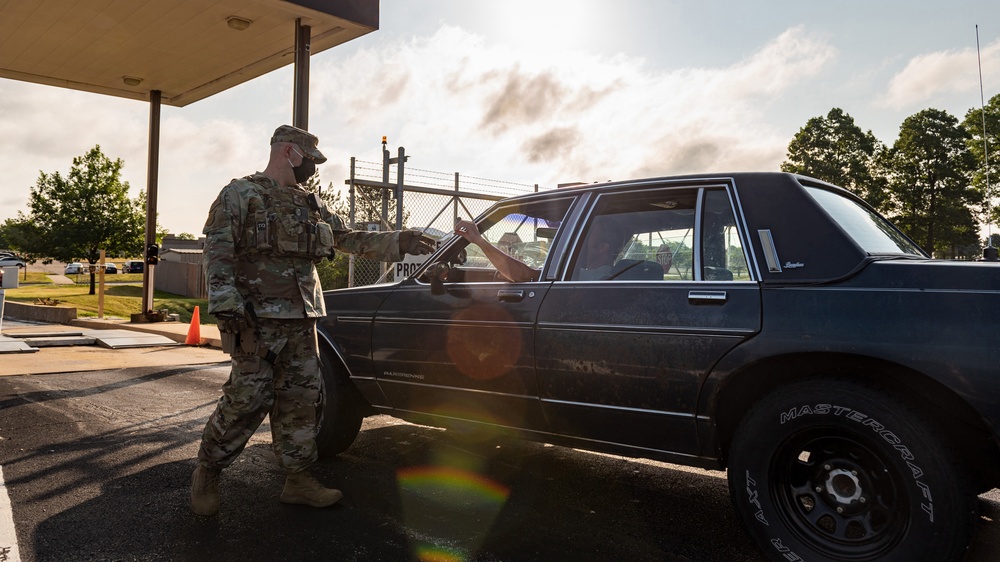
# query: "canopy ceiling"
186 49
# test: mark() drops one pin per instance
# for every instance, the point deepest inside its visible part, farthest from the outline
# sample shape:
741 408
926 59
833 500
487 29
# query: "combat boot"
301 488
205 491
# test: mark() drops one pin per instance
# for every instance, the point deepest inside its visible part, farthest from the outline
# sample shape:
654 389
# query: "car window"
644 235
723 255
525 231
649 235
872 232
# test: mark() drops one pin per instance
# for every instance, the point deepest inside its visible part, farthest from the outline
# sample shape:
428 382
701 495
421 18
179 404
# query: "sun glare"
552 25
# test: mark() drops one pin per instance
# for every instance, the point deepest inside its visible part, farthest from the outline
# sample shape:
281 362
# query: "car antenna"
989 252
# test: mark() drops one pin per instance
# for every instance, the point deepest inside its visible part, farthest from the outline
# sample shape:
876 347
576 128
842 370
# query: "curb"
176 331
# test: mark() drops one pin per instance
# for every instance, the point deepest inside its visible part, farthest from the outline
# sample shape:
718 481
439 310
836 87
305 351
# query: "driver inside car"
596 262
508 266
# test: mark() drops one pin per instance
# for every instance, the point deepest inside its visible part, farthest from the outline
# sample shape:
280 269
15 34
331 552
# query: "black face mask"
304 171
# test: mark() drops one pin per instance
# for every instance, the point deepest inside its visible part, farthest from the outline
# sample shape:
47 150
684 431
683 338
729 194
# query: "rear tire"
832 470
340 413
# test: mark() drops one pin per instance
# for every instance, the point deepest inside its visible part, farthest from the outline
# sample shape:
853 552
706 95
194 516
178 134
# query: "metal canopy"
172 52
185 49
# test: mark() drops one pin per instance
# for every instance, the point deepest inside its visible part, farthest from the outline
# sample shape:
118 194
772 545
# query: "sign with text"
410 263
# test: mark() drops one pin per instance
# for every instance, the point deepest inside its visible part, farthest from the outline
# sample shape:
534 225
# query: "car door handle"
707 297
510 295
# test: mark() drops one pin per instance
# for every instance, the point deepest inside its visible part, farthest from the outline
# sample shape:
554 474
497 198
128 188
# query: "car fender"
754 369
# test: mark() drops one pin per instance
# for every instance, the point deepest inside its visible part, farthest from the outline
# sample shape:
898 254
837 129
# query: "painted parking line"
8 537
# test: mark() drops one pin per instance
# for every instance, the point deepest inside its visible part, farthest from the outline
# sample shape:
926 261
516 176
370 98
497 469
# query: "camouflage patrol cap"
304 139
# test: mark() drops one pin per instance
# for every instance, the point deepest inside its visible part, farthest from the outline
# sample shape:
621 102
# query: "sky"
538 92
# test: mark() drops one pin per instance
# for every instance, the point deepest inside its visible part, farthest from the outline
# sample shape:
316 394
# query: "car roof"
816 248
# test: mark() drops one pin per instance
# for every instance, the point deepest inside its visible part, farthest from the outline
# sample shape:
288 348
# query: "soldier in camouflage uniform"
264 235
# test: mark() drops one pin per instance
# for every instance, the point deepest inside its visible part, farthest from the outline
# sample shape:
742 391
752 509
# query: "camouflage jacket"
262 241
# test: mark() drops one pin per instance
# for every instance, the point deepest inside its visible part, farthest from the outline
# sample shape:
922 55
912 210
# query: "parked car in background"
74 268
133 266
11 261
110 268
770 325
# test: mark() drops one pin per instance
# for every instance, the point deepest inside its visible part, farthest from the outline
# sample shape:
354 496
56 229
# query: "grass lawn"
32 278
119 300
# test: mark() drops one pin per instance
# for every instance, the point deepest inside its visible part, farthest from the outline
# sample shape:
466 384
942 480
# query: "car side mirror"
437 274
460 258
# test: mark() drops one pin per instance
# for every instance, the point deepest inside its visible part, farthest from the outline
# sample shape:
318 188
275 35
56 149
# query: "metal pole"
152 173
100 282
351 225
454 201
385 179
989 252
300 100
399 188
384 218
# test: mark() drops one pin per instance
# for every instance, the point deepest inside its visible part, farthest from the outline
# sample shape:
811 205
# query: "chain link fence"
390 196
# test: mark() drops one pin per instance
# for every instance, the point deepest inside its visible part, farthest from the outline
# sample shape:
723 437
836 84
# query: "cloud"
523 99
538 117
43 128
927 77
456 101
552 144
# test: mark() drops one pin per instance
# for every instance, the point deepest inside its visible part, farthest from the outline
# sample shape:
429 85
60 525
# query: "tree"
929 182
76 216
973 125
17 236
835 150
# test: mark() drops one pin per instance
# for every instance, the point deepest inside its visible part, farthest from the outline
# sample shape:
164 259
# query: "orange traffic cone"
194 331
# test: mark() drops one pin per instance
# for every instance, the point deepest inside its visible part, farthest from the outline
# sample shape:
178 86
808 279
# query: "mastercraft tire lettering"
833 470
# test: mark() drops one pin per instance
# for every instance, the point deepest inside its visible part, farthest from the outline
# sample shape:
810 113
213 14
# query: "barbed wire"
433 213
432 178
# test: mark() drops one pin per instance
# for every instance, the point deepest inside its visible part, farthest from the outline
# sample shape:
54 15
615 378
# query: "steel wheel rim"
839 494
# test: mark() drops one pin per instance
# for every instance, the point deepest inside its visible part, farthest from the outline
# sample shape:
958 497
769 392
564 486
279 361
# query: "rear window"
871 231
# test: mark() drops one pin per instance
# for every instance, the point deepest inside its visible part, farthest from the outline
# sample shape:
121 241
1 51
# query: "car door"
463 349
657 290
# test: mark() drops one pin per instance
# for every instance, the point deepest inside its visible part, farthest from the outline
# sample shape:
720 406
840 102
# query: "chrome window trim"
770 252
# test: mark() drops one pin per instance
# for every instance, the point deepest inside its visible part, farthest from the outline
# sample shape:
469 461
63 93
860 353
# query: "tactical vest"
286 222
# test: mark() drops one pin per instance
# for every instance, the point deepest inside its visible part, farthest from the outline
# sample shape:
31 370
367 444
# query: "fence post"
454 201
399 188
385 179
350 198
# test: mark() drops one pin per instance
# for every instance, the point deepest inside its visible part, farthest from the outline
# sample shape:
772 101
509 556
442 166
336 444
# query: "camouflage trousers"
289 390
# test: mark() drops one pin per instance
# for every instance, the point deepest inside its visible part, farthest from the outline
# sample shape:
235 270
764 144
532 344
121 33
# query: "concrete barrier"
39 312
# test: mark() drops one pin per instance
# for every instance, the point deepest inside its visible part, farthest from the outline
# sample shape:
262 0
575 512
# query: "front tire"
340 415
832 470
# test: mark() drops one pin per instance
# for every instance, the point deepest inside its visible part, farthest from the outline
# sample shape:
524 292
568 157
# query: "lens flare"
452 484
427 553
484 345
449 511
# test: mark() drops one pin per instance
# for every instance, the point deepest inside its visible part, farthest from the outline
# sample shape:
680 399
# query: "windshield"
870 230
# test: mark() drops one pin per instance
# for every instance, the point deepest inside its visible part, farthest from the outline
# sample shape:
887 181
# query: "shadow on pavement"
415 493
412 493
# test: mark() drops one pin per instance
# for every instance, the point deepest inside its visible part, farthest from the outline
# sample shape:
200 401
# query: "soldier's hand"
415 242
231 322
